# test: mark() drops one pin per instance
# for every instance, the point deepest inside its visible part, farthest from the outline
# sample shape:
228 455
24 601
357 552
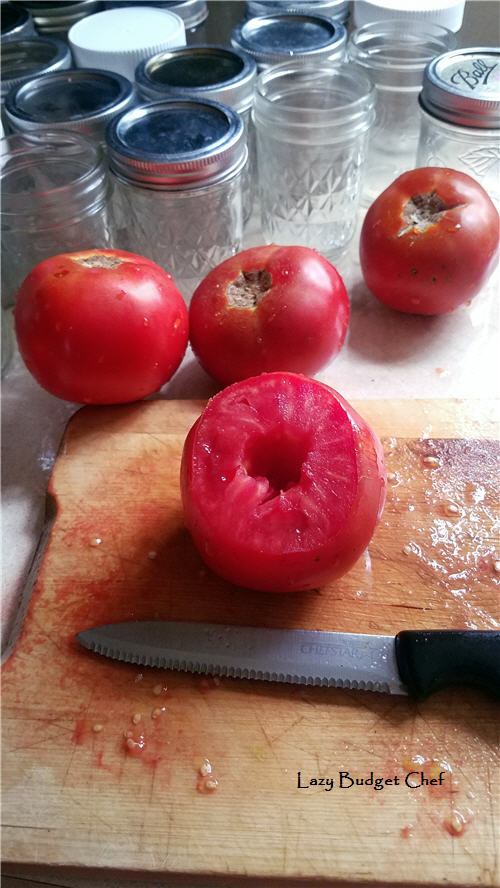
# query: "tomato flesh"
282 483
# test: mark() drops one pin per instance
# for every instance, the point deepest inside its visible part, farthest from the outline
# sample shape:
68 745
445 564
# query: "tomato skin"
298 325
100 335
433 271
285 539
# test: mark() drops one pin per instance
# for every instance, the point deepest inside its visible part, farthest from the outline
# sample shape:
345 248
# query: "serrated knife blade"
416 662
297 656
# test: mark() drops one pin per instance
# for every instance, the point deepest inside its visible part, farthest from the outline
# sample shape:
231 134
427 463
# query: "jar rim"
384 54
279 73
45 141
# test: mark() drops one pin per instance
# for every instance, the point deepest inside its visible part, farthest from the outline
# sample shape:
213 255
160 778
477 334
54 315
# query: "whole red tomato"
101 326
268 308
282 483
429 241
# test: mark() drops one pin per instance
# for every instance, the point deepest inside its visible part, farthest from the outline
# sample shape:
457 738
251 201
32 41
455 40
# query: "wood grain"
73 796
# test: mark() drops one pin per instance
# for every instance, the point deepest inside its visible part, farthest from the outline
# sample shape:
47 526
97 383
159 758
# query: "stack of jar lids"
272 39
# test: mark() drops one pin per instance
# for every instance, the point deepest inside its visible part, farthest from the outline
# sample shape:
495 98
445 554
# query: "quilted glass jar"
394 53
460 115
55 199
312 122
177 170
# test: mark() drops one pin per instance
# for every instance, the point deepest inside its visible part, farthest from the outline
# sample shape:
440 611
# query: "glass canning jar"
177 167
78 99
211 72
394 53
22 59
334 9
274 39
312 124
55 199
460 115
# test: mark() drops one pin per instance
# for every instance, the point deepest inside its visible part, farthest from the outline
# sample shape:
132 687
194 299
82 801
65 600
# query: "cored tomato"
101 326
282 483
429 242
268 308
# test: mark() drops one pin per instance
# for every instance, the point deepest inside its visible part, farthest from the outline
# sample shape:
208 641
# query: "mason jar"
194 14
16 24
57 17
177 167
273 39
55 199
460 115
312 124
334 9
30 57
79 99
212 72
394 53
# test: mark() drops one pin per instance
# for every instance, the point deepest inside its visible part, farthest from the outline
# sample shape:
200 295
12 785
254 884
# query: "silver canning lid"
335 9
463 87
57 17
273 39
177 145
80 99
192 12
30 57
16 23
203 70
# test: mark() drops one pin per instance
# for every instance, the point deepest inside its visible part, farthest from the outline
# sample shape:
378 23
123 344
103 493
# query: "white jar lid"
448 13
118 39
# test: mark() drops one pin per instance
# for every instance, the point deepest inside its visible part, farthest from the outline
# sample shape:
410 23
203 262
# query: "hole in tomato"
277 456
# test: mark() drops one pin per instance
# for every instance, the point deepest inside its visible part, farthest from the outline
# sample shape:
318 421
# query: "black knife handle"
432 659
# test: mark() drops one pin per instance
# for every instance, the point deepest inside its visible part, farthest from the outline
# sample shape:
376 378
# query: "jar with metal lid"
17 23
460 115
56 18
312 123
334 9
194 14
55 199
80 99
29 58
207 71
273 39
394 53
118 39
177 167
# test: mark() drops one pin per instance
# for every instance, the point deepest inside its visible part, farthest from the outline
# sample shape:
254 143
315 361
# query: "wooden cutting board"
73 795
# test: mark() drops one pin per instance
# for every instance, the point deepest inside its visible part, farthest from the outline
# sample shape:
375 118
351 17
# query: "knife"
412 662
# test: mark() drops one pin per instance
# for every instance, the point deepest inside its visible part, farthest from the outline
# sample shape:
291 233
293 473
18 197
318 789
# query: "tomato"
268 308
282 483
429 242
101 326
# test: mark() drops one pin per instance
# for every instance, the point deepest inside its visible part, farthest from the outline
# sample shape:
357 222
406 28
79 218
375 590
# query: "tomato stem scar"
97 260
249 288
423 210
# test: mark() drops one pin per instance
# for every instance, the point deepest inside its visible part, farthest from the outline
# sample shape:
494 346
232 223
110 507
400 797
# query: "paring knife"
412 662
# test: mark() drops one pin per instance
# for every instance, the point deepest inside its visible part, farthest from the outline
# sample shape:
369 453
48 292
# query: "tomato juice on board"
282 483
